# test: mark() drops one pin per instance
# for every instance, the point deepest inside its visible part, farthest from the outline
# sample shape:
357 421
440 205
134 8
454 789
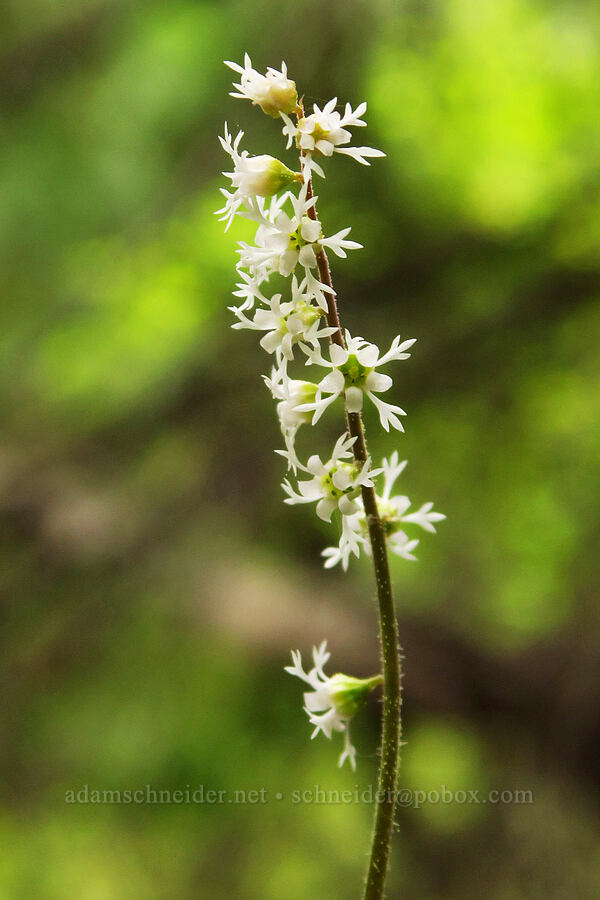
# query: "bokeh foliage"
154 582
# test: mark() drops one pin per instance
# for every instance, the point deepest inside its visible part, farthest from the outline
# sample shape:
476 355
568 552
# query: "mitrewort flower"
253 176
335 484
324 131
283 241
290 393
274 92
393 511
353 373
333 701
286 323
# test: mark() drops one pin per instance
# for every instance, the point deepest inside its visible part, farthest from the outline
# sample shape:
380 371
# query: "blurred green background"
154 583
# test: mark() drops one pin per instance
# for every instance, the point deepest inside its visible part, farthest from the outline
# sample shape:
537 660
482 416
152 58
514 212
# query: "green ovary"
355 374
389 516
297 242
349 694
329 487
308 313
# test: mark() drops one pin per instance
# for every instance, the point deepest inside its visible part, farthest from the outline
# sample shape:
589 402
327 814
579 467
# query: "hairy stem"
388 629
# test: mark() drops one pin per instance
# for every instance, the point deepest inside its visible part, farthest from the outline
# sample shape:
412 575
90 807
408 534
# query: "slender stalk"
388 629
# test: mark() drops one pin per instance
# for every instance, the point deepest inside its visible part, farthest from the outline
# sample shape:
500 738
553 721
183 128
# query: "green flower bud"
348 694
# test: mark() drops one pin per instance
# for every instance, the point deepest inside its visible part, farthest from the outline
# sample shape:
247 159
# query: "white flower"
393 509
286 323
393 514
353 373
253 176
282 241
333 701
354 538
291 393
324 131
260 176
335 484
274 92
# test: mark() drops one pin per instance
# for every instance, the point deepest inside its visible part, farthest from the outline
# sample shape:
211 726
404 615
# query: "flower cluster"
298 327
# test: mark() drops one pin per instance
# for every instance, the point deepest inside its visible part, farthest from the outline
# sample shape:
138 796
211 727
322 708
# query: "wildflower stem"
388 627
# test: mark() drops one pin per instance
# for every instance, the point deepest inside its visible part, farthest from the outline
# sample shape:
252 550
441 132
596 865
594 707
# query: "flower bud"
348 694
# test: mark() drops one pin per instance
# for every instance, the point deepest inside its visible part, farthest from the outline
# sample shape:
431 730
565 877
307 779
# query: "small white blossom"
287 323
354 538
324 131
394 508
253 176
354 374
282 241
335 484
274 92
332 701
290 393
393 514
